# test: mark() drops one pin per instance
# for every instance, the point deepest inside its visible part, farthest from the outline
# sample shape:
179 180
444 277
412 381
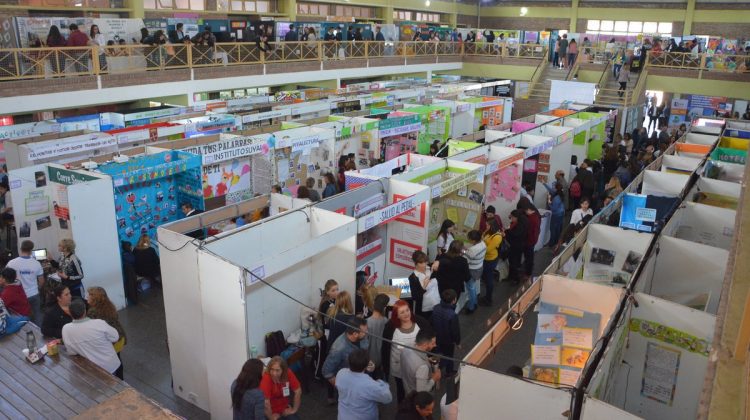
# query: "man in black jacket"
177 36
447 328
292 35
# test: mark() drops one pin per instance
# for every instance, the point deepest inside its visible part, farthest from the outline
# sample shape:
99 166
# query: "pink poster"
521 126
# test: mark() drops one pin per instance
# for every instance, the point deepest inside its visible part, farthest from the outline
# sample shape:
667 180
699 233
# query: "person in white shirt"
475 256
31 275
92 339
580 213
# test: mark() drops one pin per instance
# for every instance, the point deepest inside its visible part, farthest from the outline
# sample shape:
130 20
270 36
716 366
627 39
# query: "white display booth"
357 136
502 176
703 224
457 192
663 184
525 398
301 153
725 171
580 134
404 163
698 138
537 160
57 148
55 203
391 225
716 193
462 116
707 125
493 136
611 254
679 164
686 273
556 159
217 310
655 364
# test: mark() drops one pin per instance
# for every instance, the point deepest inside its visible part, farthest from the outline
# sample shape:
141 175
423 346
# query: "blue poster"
634 213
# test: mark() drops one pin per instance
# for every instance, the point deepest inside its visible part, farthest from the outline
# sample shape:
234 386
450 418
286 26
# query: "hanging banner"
228 149
458 182
276 113
392 211
69 145
28 130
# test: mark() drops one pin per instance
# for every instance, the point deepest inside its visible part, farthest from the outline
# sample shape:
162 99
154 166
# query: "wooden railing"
36 63
728 63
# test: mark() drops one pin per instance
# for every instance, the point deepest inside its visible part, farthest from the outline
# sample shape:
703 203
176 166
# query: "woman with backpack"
493 240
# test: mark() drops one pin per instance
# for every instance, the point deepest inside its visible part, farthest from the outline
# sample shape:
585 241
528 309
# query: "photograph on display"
573 357
43 223
476 196
631 262
24 231
41 178
619 277
63 223
551 324
602 256
545 374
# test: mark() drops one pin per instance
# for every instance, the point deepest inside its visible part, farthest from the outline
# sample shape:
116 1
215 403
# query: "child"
447 328
475 256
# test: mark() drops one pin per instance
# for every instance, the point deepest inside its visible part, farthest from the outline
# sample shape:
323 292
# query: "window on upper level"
255 6
622 27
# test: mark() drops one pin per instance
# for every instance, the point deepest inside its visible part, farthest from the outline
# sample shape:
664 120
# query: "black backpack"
275 343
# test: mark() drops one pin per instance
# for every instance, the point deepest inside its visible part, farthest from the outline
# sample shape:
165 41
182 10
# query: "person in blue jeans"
475 256
10 324
557 207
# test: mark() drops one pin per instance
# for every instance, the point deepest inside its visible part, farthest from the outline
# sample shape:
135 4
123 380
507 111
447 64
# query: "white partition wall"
491 136
611 254
580 136
697 138
679 164
686 273
490 395
664 362
716 193
663 184
703 224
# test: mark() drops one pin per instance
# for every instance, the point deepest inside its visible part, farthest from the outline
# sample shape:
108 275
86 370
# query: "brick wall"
529 24
22 88
727 30
468 20
525 107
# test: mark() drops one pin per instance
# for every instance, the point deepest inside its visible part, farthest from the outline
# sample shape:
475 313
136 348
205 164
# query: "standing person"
623 79
489 214
177 35
330 190
58 312
327 303
292 35
613 187
416 368
585 177
311 37
314 194
560 179
492 238
12 293
653 115
609 48
557 207
69 267
375 325
341 315
78 39
452 269
447 329
31 275
572 52
564 51
475 257
248 402
617 62
147 262
379 35
100 307
98 39
279 384
423 285
92 339
367 34
355 338
445 236
556 56
401 330
583 211
516 235
359 394
532 234
417 406
56 60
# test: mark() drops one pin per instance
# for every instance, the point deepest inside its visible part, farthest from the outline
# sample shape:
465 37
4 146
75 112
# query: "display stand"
140 135
150 189
357 136
209 124
302 153
436 125
611 255
697 138
231 311
53 203
398 135
716 193
462 117
655 364
679 164
489 110
703 224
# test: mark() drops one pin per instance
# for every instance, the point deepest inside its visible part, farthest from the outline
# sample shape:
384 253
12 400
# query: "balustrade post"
189 48
95 67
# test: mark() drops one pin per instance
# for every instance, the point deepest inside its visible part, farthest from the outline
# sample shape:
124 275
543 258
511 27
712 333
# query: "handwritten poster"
569 377
545 355
660 373
578 337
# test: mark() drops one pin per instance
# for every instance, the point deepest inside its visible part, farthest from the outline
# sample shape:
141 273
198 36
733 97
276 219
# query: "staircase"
541 90
608 86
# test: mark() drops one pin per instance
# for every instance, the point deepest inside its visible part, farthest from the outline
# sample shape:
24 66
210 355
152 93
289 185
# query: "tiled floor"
146 359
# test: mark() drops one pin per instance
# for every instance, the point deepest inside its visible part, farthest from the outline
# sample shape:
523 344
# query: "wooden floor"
63 386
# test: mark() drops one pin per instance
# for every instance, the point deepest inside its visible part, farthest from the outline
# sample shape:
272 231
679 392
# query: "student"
31 275
314 194
452 269
489 214
100 307
445 236
248 401
532 234
423 285
58 312
177 36
147 262
330 189
376 325
447 329
10 324
12 293
623 79
92 339
557 207
327 302
584 210
475 257
516 235
292 35
340 314
493 239
355 338
417 406
280 385
359 394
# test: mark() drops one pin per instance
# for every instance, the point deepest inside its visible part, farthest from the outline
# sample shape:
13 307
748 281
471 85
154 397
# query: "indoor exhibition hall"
364 210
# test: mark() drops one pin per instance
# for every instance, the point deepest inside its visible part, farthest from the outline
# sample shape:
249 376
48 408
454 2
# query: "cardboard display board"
462 117
52 203
686 273
301 153
716 193
611 254
703 224
358 136
663 184
150 189
679 164
724 171
436 125
399 135
403 163
704 139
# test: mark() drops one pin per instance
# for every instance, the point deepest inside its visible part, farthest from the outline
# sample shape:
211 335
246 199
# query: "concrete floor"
147 368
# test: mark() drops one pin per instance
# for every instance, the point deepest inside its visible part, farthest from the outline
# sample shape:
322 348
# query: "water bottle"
30 341
253 352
